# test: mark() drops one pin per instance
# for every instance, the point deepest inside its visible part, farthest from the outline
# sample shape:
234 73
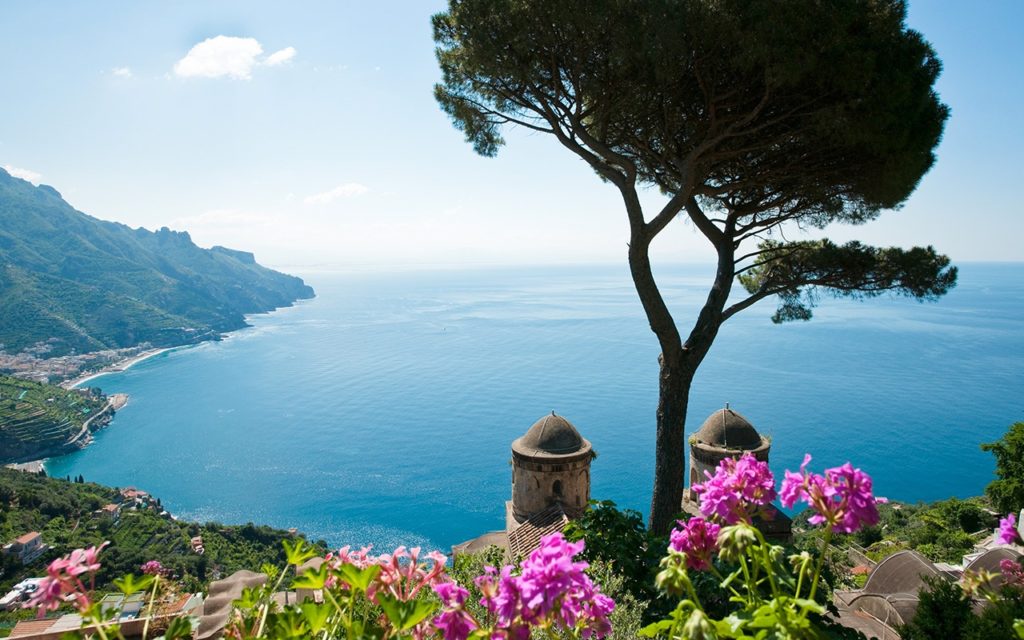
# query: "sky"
307 133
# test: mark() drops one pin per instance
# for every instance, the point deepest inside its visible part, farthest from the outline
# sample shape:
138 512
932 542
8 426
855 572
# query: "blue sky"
309 135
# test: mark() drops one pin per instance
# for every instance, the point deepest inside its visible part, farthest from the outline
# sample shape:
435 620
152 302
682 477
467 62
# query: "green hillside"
85 284
39 418
65 513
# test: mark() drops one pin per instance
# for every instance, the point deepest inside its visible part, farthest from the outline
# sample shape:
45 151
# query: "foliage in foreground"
769 592
65 513
552 592
1007 490
942 531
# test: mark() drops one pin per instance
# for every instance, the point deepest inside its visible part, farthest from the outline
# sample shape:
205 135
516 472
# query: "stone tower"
550 465
725 434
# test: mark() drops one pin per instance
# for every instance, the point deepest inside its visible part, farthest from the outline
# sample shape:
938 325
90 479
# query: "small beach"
119 366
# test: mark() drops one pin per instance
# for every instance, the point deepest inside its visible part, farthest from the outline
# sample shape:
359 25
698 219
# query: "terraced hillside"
70 515
37 419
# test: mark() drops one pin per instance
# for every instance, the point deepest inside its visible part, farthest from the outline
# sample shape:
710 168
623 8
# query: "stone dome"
729 430
552 435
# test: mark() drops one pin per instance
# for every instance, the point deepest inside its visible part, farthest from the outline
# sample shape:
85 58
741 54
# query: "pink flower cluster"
63 581
738 490
152 568
550 588
841 498
454 622
1013 573
697 539
402 574
1007 533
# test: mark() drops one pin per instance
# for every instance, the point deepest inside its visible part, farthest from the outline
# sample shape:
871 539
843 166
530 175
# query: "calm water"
382 411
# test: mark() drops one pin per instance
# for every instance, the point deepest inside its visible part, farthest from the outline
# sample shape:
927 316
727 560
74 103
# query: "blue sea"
382 411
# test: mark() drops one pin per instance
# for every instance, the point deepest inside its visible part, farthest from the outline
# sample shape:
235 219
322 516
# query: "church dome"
729 430
551 435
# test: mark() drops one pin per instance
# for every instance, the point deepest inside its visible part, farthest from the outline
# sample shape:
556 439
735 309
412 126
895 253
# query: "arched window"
557 488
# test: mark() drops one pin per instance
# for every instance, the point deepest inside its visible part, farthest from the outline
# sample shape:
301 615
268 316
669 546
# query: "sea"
382 411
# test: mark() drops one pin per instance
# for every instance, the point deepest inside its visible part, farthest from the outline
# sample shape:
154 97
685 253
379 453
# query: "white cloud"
121 72
219 57
344 191
228 57
24 174
280 57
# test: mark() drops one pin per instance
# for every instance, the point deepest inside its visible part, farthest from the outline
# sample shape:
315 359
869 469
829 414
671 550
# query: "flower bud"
672 577
698 627
733 541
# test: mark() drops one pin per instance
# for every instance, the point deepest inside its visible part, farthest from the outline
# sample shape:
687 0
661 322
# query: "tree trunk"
678 364
674 381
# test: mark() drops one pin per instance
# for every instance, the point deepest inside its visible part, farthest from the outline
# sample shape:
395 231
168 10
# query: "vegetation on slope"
65 513
74 282
38 418
942 531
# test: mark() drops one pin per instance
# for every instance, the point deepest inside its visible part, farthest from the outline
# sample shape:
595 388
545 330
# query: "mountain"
79 283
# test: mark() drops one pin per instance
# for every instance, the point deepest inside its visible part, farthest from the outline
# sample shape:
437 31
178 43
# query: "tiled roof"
31 627
526 537
28 537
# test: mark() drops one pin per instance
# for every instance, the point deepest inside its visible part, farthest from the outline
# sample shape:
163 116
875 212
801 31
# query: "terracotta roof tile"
31 627
526 537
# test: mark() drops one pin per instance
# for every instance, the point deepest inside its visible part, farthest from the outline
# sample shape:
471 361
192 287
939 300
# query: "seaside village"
551 477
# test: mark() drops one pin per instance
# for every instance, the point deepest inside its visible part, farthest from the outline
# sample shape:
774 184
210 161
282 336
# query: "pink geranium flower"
841 499
1013 573
697 539
152 568
551 588
454 622
1007 533
63 581
738 490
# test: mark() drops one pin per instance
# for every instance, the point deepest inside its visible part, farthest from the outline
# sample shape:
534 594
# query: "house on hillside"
27 547
112 511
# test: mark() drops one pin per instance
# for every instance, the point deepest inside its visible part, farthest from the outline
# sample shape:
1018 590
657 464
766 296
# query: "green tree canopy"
1007 490
750 116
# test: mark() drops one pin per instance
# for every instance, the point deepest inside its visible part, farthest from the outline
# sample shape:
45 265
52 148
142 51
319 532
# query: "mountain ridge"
73 282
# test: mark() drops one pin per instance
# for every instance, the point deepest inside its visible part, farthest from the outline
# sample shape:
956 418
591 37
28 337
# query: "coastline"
115 402
119 366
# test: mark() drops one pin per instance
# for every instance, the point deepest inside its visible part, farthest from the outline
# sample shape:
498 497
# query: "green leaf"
297 553
178 628
288 624
809 605
131 584
316 615
365 631
405 615
250 598
358 579
311 579
655 629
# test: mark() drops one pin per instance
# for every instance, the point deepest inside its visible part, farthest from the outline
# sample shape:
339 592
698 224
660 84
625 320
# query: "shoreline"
115 402
117 367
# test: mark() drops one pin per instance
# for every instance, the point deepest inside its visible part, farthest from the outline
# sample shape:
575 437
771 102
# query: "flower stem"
718 574
821 561
149 610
